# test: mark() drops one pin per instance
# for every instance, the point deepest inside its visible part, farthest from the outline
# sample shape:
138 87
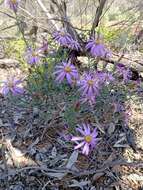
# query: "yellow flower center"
88 138
62 33
67 69
10 84
34 54
14 1
98 41
90 82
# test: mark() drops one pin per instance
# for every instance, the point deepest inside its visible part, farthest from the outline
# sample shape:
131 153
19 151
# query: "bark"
97 16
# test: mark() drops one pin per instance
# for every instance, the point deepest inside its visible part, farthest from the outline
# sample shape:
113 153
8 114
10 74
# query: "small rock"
35 112
111 128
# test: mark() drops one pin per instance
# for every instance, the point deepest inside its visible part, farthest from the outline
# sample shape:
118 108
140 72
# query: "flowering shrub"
96 96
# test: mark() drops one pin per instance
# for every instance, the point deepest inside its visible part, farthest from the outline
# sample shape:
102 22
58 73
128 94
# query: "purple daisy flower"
89 85
74 45
32 56
62 37
104 77
44 47
13 4
12 85
97 49
65 39
66 70
123 71
88 138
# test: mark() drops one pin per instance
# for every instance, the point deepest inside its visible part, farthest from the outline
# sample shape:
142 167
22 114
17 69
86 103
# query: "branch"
111 164
62 9
97 16
135 72
10 16
48 14
8 27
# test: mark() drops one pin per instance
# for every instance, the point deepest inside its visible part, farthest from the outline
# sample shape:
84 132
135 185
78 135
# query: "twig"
44 187
65 20
8 27
3 148
123 57
111 164
107 10
97 16
48 14
135 71
45 170
8 15
115 62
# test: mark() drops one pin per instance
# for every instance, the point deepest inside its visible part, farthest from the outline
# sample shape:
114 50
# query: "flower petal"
77 138
17 90
79 145
81 131
61 77
69 79
86 149
5 90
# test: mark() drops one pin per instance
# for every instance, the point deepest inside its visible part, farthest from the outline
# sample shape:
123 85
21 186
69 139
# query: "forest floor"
34 157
